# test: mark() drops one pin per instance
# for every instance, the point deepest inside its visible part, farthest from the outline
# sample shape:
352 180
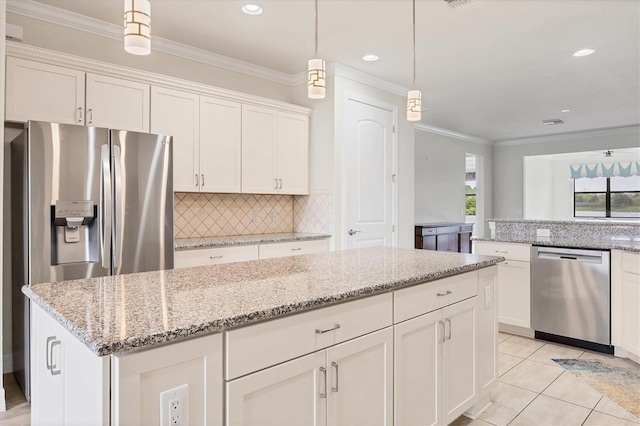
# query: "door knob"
352 232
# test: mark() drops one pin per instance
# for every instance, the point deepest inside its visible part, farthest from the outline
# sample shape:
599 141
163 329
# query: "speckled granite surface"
238 240
585 234
126 312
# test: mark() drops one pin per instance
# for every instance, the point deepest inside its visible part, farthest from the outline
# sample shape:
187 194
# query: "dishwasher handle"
568 256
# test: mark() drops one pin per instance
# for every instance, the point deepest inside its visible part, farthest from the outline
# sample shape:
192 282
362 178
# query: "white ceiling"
494 70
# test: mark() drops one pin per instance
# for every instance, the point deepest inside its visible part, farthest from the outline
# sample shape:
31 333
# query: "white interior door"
369 193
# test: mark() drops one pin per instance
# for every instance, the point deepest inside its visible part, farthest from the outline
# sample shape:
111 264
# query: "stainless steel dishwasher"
571 296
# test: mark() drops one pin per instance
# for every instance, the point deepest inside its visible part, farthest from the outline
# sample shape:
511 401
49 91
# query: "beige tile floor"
534 390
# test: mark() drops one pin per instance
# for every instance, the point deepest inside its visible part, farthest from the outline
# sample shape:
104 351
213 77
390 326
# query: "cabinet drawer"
268 343
293 248
214 256
631 263
417 300
509 251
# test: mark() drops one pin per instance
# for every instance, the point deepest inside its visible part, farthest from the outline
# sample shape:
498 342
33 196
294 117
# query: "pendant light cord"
317 29
414 43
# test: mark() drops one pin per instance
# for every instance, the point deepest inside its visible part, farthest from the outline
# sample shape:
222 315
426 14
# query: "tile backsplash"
313 212
212 215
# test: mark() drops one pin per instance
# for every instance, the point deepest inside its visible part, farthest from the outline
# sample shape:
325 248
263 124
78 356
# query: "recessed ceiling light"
584 52
252 9
565 110
370 57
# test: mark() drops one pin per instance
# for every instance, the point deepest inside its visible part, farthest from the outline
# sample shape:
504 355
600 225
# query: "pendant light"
316 81
137 27
414 97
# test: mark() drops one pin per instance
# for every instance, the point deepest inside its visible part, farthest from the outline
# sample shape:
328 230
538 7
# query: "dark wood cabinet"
452 237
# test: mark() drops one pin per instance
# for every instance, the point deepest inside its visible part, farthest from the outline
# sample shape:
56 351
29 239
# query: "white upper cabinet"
117 103
275 151
176 113
259 141
220 145
43 92
293 153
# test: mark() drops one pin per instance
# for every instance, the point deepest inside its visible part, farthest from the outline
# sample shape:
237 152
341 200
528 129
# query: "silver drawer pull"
296 249
215 257
446 293
323 393
501 251
335 327
335 365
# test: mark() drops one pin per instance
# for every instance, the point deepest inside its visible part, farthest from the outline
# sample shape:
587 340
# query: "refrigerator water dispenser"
74 232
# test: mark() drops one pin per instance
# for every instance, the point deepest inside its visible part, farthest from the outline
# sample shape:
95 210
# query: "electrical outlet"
274 215
174 406
255 218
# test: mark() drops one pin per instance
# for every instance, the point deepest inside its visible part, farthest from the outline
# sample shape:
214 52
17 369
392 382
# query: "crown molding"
364 78
54 15
25 51
628 130
452 134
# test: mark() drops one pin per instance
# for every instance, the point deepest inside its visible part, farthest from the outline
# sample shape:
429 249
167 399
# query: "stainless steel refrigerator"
86 202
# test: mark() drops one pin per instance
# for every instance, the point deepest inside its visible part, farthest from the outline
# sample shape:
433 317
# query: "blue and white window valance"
594 170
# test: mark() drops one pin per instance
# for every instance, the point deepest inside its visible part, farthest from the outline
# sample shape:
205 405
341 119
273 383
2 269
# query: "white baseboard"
7 363
621 353
3 405
514 329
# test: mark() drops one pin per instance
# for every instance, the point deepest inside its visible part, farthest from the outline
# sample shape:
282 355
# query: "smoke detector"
463 4
552 122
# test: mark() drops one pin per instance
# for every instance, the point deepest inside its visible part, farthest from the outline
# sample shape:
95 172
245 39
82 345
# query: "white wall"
538 189
508 165
440 179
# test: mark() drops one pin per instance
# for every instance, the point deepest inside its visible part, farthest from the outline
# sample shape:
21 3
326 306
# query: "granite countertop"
596 222
614 243
126 312
238 240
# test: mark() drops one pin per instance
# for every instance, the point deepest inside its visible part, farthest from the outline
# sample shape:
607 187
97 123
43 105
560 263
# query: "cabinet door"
117 104
459 352
631 312
292 393
176 114
214 256
514 294
487 330
360 380
418 366
259 129
47 370
36 91
220 145
293 153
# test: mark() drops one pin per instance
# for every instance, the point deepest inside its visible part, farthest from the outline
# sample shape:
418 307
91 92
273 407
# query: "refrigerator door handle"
106 206
119 200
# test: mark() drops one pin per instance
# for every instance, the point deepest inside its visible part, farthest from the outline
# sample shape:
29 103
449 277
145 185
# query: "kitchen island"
310 339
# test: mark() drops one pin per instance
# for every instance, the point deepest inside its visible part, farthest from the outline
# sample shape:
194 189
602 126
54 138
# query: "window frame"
607 200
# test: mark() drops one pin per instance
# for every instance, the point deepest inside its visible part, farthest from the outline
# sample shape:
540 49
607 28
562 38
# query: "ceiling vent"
463 4
552 122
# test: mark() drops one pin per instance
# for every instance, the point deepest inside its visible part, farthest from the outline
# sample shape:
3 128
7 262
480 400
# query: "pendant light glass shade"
137 27
414 105
316 81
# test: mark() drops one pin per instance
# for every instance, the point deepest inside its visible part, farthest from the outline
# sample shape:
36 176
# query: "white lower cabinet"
625 303
293 248
214 256
347 384
435 365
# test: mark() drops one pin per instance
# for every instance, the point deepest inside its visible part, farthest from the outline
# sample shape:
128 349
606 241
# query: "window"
607 197
470 193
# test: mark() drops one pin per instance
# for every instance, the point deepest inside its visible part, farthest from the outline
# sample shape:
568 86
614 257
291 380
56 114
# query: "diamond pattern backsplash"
313 212
213 215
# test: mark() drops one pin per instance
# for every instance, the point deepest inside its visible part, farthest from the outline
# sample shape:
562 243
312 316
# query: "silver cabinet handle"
52 342
296 249
441 325
447 321
90 115
446 293
202 180
80 114
335 365
335 327
215 257
280 180
323 393
352 232
275 184
197 180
